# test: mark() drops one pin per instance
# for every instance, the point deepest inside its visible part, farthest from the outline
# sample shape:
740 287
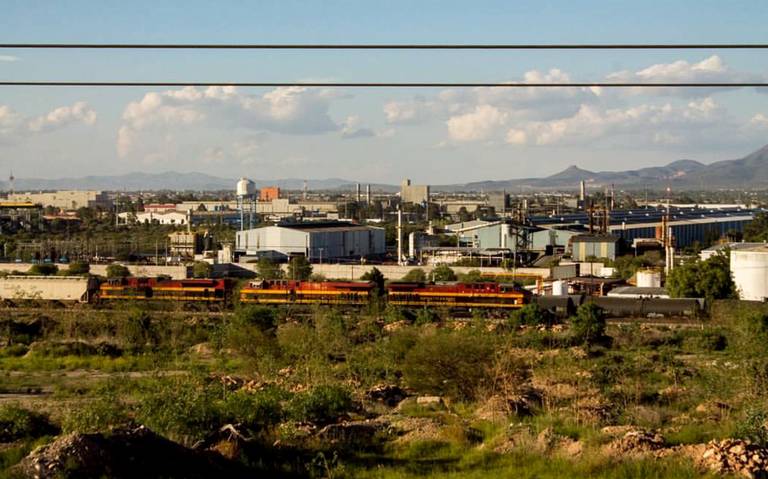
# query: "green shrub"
117 271
19 423
531 315
202 269
416 275
77 268
135 330
426 316
588 326
443 273
43 269
98 415
449 363
256 411
754 427
320 405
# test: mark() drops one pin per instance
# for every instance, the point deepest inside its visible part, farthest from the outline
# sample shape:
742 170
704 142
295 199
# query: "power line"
385 84
390 46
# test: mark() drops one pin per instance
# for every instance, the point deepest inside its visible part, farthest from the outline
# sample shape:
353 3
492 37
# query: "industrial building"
410 193
749 268
689 225
586 246
318 241
66 200
500 202
58 288
269 193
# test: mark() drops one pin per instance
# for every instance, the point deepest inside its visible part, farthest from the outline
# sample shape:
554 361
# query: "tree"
443 272
77 268
757 229
202 269
43 269
710 279
299 268
531 315
268 269
588 326
474 276
117 271
416 275
377 278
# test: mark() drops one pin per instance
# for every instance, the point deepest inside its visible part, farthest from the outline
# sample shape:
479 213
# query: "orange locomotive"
307 292
470 295
197 290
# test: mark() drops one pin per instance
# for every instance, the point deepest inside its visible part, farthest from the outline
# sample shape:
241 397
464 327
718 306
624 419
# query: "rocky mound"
122 453
736 456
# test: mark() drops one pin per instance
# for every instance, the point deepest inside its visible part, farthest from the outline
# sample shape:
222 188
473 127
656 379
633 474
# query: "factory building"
317 241
688 225
66 200
413 193
585 247
749 268
500 202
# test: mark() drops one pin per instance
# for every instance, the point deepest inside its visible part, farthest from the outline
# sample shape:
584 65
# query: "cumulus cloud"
758 121
351 129
292 110
79 112
8 58
13 124
479 124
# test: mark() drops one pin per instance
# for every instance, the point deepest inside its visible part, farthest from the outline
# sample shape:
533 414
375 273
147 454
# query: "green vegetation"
117 271
202 269
77 268
268 269
299 268
416 275
527 395
442 273
43 269
710 279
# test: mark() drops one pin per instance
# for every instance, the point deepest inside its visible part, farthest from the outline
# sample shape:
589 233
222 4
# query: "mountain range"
750 171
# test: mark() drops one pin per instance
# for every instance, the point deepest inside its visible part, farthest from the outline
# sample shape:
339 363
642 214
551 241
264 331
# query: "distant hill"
750 171
175 181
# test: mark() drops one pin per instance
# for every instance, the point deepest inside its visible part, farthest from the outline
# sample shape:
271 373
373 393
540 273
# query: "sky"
435 136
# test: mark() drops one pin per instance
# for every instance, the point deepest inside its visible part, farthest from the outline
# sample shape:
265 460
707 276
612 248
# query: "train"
222 294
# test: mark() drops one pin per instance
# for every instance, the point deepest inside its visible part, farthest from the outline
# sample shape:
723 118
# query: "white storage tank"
245 187
648 279
559 288
749 268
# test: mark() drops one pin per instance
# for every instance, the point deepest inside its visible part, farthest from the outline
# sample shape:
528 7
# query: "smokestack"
582 191
357 192
368 193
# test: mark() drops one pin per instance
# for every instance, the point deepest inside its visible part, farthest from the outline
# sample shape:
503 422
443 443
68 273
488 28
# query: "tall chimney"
368 193
582 191
357 192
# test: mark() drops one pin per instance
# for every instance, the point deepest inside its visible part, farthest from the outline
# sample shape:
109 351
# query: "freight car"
460 295
306 292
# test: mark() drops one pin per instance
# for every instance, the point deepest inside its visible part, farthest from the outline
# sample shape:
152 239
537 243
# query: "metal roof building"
315 240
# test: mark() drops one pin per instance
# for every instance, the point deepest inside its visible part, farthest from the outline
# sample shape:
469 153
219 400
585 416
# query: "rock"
202 350
734 456
388 394
713 409
430 401
395 326
636 442
123 453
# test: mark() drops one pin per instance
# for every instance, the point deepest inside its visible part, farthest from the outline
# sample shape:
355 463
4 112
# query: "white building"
66 199
413 193
150 217
317 240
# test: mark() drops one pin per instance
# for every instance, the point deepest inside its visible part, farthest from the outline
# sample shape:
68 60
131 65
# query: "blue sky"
435 135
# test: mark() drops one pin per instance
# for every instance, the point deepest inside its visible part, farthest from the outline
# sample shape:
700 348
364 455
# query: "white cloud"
292 110
351 128
14 125
8 58
758 121
480 124
79 112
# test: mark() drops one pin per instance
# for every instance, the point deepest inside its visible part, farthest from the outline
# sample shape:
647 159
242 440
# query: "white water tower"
246 195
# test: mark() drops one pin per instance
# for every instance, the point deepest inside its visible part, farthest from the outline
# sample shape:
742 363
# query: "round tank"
245 187
749 268
559 288
648 279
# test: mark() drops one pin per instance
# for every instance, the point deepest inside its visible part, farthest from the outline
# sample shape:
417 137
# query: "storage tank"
648 279
245 187
559 288
749 268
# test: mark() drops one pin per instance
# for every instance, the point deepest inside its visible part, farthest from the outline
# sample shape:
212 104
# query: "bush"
754 427
202 269
449 363
268 269
78 268
117 271
588 326
256 411
377 277
443 273
97 416
43 269
321 405
416 275
251 332
19 423
299 268
531 315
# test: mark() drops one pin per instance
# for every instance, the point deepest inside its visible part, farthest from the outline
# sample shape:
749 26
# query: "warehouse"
317 241
56 288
